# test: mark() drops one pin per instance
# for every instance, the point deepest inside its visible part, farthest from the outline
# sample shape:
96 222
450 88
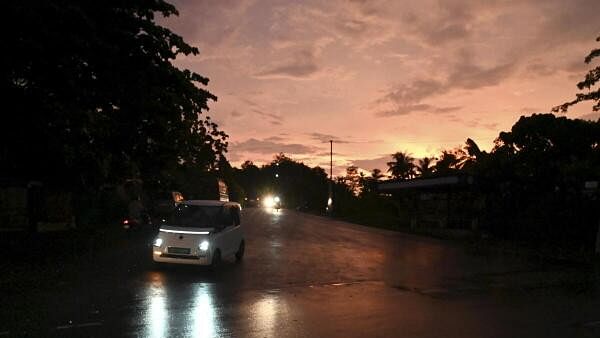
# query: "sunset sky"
382 76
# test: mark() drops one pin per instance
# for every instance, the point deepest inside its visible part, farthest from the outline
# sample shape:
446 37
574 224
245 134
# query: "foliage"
298 185
425 167
590 80
93 97
376 174
353 179
402 165
550 149
531 185
449 162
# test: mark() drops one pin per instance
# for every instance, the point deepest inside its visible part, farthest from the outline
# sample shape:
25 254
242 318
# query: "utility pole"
330 199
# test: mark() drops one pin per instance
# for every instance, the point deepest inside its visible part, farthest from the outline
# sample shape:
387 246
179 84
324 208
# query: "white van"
200 232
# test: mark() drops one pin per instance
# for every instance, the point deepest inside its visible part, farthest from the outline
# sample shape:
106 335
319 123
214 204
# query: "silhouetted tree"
402 165
545 147
297 184
591 78
353 179
376 174
471 155
449 162
92 97
425 166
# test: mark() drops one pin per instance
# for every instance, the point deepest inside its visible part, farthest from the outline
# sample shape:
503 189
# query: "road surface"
309 276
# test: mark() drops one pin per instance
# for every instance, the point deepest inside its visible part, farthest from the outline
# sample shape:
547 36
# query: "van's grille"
166 255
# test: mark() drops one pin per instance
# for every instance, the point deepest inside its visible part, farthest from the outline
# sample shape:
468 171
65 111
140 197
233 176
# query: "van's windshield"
199 216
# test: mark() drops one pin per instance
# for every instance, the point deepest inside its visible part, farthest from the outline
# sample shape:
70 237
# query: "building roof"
208 203
424 183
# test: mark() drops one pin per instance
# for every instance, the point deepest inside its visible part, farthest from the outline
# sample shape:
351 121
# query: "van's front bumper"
163 257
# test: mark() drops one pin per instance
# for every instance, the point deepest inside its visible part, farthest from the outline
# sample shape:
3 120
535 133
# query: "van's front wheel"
240 253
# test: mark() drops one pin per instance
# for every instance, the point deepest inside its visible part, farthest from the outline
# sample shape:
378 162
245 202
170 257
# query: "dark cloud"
464 74
301 64
415 91
567 22
538 68
275 139
326 138
326 153
235 113
478 123
273 118
421 107
374 163
467 75
269 146
265 114
447 22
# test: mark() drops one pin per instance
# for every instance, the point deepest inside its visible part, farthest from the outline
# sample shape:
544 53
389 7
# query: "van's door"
228 233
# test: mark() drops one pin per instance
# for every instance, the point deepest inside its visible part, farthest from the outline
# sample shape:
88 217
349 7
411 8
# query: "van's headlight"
158 242
203 246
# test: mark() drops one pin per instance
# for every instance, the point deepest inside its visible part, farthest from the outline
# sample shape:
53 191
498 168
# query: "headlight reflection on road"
268 312
156 318
275 212
203 317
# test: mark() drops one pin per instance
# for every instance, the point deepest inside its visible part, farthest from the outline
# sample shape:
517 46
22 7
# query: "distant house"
439 202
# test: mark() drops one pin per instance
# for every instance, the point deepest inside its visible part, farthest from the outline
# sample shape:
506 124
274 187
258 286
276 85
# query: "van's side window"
227 217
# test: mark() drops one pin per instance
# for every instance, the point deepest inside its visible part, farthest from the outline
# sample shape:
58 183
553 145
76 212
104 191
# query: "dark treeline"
298 185
530 186
92 100
93 103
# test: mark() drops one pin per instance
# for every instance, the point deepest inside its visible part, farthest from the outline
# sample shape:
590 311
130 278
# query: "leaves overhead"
590 80
94 97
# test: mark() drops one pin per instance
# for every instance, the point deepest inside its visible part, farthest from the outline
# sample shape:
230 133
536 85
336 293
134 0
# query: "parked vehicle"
200 232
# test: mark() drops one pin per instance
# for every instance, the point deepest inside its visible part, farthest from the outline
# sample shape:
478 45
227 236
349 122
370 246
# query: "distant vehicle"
272 202
137 217
251 202
276 203
200 232
137 223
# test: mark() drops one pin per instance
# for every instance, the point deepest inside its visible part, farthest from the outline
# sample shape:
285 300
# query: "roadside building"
449 202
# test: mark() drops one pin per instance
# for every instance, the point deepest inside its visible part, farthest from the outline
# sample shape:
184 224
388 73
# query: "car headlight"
158 242
203 246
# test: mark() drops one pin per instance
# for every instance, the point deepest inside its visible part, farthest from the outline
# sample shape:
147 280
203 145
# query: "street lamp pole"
330 199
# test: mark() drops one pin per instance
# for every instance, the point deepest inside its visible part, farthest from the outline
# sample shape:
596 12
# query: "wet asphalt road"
309 276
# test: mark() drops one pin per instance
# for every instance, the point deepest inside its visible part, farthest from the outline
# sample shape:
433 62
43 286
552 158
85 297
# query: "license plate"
180 251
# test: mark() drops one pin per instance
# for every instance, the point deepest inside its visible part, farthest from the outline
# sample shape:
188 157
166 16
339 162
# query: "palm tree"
402 165
376 174
425 166
448 163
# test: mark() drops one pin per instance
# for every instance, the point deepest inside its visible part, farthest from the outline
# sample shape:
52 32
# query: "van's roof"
208 203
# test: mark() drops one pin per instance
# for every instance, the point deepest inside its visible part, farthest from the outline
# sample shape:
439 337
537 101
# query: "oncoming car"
200 232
